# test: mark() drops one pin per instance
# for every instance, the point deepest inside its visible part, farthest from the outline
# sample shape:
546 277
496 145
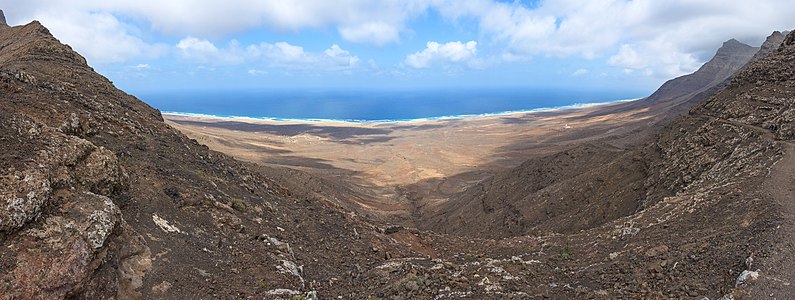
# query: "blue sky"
596 44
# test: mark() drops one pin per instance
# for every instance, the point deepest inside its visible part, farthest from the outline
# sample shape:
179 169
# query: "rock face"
56 198
2 18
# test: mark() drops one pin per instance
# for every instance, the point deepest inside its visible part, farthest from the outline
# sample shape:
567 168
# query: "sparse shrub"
238 205
567 252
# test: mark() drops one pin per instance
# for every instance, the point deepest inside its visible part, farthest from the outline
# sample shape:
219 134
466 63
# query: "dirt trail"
776 281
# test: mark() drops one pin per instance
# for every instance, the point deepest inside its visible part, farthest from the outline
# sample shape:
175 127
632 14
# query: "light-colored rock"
746 276
283 292
79 233
164 225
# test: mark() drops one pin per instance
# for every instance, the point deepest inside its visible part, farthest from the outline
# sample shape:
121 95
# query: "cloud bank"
277 55
664 38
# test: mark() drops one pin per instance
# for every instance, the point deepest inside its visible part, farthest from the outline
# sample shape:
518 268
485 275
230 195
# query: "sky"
146 45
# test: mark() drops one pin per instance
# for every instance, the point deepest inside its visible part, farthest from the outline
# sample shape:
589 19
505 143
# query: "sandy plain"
404 168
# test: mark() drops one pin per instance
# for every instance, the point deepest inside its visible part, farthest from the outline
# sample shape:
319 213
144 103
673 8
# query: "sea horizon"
375 106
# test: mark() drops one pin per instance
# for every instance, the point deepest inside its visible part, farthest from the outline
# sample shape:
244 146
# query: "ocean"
372 105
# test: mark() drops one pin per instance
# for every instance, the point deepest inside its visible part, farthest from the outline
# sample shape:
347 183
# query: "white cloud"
659 38
255 72
450 52
276 55
654 58
580 72
627 57
364 21
205 52
377 33
341 57
99 36
141 67
280 54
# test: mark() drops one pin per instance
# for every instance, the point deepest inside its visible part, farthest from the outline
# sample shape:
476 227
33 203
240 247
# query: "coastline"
350 122
387 154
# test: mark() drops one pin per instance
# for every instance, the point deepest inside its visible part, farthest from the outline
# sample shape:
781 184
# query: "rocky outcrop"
55 197
59 163
2 18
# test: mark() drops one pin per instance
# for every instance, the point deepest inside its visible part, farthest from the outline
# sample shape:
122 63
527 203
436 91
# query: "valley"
684 194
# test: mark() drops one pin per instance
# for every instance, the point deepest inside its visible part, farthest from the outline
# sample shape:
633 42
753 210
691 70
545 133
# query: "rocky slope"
571 190
100 199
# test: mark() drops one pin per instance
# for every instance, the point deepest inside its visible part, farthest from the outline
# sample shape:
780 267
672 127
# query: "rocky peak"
734 48
789 40
729 58
774 67
774 39
33 43
763 93
771 44
2 18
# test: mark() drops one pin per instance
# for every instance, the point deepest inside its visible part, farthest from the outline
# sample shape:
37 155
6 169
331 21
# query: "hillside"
102 199
133 207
